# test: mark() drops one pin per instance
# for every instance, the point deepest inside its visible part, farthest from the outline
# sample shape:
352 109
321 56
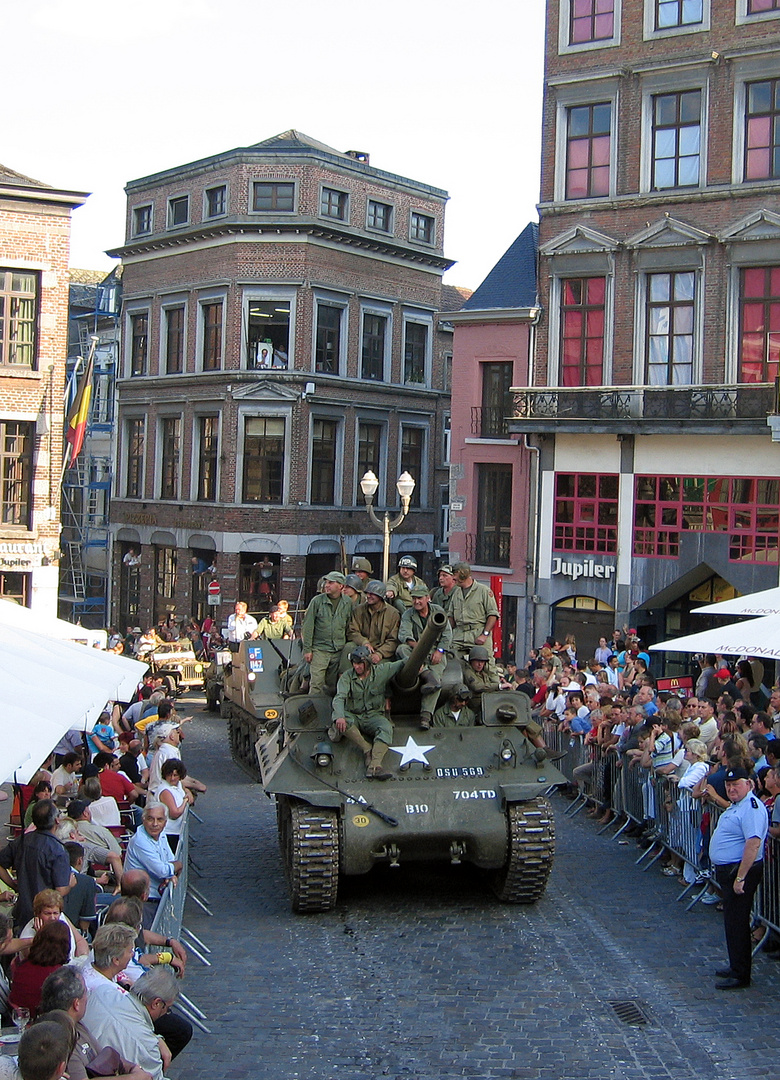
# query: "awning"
47 687
755 637
766 602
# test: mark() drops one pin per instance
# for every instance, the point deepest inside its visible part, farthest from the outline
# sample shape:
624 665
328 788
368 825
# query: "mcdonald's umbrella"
754 637
48 687
766 602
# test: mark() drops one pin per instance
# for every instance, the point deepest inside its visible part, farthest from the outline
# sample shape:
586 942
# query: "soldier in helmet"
359 709
479 674
473 611
400 585
456 713
354 588
413 622
375 624
363 568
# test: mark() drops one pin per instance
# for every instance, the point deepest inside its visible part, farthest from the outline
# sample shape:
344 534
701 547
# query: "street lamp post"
405 486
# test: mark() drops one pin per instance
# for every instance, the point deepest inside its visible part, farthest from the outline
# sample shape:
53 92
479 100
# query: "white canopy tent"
766 602
15 615
756 637
49 686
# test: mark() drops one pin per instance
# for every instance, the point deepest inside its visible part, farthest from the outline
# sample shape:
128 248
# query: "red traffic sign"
214 588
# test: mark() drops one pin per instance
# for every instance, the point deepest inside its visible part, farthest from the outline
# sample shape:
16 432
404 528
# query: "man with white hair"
149 850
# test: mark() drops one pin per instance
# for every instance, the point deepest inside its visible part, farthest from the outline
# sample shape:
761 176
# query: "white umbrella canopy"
766 602
755 637
48 687
17 615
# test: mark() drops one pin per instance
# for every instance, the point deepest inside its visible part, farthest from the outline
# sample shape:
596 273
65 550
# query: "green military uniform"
469 610
445 717
376 627
412 626
324 635
361 702
441 598
275 630
480 682
403 590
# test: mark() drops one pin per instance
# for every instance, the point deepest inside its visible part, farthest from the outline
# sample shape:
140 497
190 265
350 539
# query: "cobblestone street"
421 973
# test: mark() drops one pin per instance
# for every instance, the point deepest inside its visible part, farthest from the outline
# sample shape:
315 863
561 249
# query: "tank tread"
311 855
243 733
531 834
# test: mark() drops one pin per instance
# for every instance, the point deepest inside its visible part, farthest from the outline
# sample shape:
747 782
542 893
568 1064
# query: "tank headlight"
323 754
507 753
250 676
323 759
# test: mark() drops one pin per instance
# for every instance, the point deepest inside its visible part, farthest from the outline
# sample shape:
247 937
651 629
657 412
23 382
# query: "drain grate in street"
629 1011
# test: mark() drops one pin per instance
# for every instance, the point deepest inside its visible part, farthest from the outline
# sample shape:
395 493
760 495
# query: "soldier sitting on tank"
359 709
479 675
277 624
413 622
400 585
354 588
374 624
456 713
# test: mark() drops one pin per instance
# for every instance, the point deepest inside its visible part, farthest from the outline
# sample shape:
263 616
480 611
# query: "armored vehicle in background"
249 688
457 794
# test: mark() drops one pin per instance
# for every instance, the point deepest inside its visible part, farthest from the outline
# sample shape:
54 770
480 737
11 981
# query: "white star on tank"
412 752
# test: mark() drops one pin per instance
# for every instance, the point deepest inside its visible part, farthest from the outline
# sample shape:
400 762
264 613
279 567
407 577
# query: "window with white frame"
334 203
416 355
212 332
749 11
676 139
422 227
216 201
670 17
588 24
208 457
267 323
413 460
264 452
588 150
135 430
376 336
379 216
328 337
324 451
138 342
273 195
762 130
174 323
142 220
670 325
178 211
170 456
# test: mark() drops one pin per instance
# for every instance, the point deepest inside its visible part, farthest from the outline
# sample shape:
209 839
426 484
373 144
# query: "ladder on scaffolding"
77 577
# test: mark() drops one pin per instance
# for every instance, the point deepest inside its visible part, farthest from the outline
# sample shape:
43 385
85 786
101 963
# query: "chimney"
359 155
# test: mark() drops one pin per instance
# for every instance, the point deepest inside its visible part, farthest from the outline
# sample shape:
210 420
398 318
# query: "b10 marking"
481 794
417 808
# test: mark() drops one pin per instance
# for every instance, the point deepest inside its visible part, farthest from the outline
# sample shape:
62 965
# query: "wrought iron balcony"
488 548
489 422
642 408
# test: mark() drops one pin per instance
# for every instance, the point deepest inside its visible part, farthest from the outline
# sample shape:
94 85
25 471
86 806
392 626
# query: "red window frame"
759 338
758 7
583 306
746 508
586 513
762 130
591 20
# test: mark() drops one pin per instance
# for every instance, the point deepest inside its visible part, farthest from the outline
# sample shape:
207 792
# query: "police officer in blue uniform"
737 853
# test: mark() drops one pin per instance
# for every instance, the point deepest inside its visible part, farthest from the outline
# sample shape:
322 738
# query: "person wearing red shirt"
112 782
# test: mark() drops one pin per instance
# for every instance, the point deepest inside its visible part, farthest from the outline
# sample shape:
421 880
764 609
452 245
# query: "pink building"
490 507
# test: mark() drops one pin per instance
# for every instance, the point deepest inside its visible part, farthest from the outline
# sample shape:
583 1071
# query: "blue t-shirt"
105 733
581 725
741 822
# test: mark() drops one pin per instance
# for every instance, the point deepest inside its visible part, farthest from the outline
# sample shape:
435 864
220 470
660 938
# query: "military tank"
249 688
459 794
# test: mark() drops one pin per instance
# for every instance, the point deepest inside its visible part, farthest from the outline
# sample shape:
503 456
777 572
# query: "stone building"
34 249
653 397
279 340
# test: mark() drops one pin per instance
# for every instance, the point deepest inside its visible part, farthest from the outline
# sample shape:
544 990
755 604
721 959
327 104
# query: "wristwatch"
739 879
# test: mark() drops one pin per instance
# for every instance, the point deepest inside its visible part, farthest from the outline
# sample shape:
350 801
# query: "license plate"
460 770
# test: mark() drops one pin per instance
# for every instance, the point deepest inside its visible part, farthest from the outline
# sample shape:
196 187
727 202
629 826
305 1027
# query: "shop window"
746 509
586 513
15 587
760 324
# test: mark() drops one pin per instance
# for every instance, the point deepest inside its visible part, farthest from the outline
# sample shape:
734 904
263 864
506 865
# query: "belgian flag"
79 413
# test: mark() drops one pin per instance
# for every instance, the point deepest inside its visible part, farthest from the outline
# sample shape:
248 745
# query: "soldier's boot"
426 719
353 735
334 734
374 770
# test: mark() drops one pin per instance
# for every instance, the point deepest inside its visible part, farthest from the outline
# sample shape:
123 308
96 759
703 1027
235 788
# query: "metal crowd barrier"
169 920
680 824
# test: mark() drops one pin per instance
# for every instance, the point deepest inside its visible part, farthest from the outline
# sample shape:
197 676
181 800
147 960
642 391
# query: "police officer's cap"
737 774
377 588
407 560
361 654
479 652
354 582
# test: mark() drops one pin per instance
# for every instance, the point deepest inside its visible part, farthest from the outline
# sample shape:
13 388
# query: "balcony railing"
752 401
489 422
489 549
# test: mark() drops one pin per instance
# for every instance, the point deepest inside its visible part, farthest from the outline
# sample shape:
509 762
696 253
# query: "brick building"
659 276
279 340
492 351
34 248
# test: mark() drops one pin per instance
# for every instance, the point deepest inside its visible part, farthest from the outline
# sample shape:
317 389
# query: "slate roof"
453 297
9 176
286 140
512 281
86 277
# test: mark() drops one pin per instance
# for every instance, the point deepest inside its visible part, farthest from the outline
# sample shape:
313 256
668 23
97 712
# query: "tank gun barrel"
406 679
